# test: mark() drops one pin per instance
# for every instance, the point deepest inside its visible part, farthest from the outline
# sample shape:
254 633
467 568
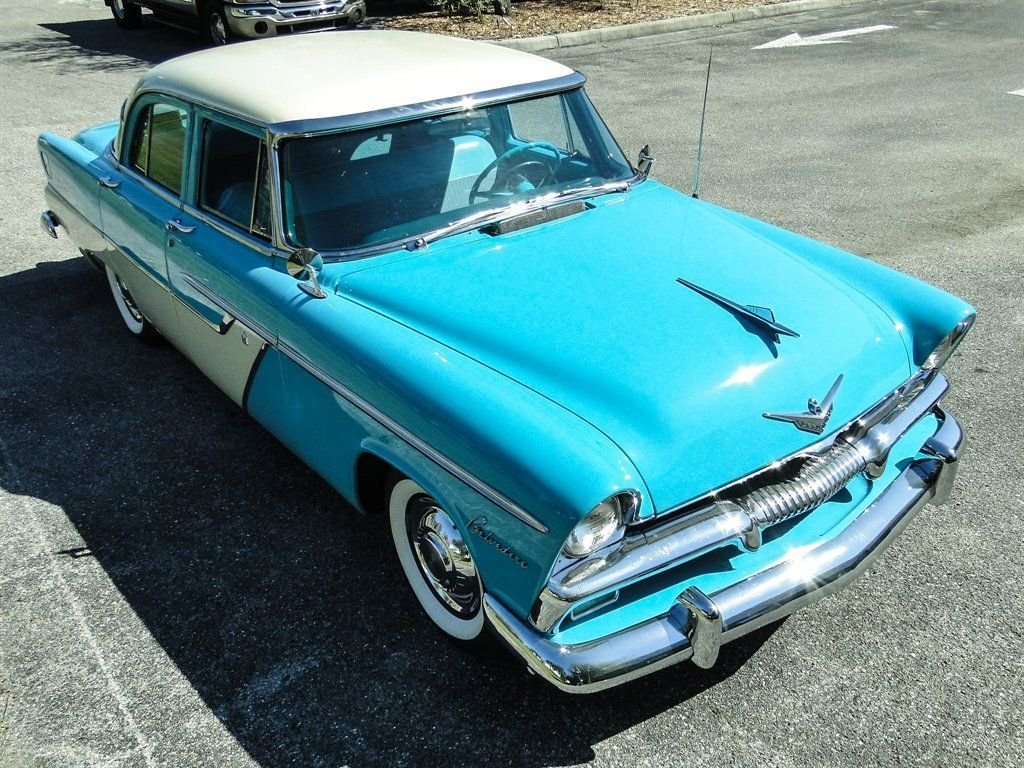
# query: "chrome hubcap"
129 302
118 6
443 557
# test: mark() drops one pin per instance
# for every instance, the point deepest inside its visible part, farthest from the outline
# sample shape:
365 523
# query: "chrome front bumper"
272 18
698 624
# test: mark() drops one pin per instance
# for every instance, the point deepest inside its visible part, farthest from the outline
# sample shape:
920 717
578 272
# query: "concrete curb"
647 28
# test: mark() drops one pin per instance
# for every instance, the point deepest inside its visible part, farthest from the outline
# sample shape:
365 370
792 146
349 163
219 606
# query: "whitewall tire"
436 561
132 316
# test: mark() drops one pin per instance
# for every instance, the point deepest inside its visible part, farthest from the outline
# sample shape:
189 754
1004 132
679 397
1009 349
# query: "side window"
234 180
158 147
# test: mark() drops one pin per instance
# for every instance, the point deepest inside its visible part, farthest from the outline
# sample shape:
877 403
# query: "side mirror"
305 264
644 162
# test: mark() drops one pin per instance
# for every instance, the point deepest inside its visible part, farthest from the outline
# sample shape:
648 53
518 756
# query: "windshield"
361 188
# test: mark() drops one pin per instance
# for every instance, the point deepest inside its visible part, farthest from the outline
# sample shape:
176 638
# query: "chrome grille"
817 480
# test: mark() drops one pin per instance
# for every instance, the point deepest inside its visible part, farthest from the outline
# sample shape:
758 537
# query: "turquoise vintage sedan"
614 424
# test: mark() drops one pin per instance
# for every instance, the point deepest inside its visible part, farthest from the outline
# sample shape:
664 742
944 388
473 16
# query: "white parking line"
1016 93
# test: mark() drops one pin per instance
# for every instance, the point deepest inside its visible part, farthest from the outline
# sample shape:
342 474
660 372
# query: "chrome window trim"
134 175
305 128
224 227
393 426
207 115
276 132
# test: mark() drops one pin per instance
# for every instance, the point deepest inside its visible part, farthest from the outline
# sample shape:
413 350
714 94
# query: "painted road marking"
795 39
1015 93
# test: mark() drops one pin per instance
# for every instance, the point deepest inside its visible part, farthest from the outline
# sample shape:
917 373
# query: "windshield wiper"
589 190
480 219
472 221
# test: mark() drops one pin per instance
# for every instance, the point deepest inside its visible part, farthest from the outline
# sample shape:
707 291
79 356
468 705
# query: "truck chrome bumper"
698 624
271 18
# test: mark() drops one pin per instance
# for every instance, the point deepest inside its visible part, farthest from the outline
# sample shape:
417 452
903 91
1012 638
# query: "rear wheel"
127 14
215 24
436 561
133 318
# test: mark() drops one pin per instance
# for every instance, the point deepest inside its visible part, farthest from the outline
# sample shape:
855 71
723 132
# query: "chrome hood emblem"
815 417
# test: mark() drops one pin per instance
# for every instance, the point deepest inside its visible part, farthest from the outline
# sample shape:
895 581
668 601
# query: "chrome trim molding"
230 311
698 624
299 128
225 322
742 519
393 426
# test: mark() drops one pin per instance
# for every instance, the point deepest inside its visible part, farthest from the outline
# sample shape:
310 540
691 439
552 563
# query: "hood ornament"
815 417
762 317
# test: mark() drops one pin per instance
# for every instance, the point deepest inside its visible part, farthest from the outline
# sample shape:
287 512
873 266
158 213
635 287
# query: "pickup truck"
219 21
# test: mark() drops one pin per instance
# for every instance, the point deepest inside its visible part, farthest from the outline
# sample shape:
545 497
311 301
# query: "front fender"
377 384
922 313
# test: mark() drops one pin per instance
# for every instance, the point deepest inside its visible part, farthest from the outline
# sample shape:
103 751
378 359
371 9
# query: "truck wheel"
127 14
133 318
436 561
215 24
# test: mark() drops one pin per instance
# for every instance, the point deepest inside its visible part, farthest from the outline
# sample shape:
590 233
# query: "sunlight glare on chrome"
803 566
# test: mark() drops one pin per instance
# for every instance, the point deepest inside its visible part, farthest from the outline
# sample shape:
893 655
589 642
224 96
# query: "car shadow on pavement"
98 45
283 607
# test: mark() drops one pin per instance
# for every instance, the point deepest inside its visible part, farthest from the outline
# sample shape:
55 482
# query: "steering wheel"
541 171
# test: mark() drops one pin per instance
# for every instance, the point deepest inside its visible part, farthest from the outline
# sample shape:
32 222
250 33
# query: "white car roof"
310 78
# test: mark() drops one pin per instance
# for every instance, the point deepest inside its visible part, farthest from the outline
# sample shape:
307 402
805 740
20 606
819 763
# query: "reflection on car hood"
587 311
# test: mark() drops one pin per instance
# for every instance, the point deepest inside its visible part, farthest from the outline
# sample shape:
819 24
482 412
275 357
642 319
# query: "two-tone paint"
522 378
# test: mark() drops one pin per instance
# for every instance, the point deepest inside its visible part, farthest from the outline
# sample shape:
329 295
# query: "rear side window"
234 184
158 147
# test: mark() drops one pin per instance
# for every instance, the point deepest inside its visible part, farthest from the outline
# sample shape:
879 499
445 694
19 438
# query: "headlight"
945 348
601 525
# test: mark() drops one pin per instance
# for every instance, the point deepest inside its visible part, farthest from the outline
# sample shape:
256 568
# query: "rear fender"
73 172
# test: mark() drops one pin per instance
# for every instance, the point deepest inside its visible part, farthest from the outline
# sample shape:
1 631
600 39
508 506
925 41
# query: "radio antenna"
703 111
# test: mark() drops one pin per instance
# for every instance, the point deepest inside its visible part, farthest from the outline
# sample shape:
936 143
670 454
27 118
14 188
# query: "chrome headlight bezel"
945 348
603 525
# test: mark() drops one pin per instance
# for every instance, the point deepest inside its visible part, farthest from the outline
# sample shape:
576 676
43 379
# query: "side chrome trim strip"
229 310
393 426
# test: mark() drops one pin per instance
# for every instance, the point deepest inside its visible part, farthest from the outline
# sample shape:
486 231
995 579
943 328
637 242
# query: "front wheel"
133 318
215 24
127 14
436 561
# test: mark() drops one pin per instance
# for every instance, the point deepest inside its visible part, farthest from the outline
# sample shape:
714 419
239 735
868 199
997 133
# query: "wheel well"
372 477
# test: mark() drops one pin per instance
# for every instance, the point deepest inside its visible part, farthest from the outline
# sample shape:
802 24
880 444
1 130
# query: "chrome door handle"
177 226
108 182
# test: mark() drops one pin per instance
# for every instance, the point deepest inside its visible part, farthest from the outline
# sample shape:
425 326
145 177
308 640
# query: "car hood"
587 311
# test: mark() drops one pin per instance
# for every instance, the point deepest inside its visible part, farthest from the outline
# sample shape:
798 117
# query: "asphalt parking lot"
177 590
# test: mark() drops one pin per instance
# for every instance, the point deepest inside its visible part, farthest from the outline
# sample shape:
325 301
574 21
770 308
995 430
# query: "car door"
138 201
219 256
